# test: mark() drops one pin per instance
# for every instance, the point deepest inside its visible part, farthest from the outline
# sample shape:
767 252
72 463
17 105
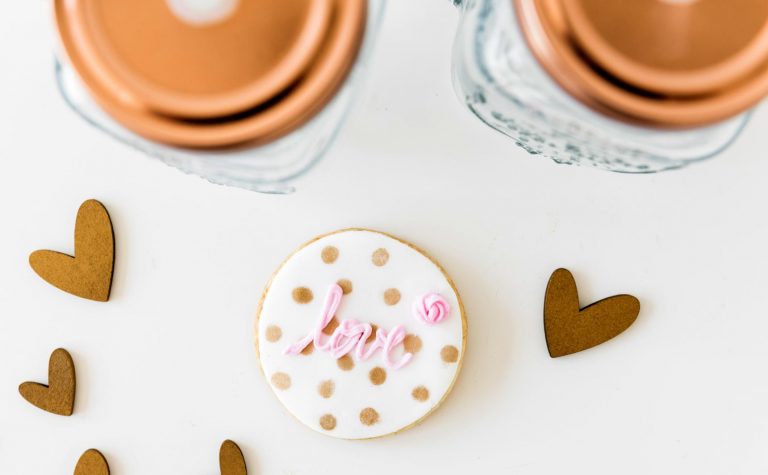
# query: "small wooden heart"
231 460
58 397
87 274
92 462
569 329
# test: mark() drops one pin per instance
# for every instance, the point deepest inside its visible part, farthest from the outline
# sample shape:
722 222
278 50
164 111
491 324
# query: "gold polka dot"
420 393
377 376
449 354
329 254
380 257
273 333
391 296
328 422
346 285
302 295
345 363
412 343
372 336
308 349
328 330
281 381
326 388
369 416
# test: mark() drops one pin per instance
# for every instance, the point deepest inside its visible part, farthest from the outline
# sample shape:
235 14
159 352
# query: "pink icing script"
431 308
351 335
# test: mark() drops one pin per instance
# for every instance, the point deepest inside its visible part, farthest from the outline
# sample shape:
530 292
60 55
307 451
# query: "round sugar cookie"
360 334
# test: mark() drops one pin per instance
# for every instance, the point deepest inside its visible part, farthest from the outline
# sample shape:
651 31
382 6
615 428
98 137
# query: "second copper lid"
211 73
674 63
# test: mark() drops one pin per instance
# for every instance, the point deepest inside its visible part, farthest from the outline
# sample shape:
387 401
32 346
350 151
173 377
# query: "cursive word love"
351 336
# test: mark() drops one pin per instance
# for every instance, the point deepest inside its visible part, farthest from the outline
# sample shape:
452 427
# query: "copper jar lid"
212 73
666 63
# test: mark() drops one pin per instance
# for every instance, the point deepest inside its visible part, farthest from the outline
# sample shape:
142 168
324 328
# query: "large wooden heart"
570 329
88 273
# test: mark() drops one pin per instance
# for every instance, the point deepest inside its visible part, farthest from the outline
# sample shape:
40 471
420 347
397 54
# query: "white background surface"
166 369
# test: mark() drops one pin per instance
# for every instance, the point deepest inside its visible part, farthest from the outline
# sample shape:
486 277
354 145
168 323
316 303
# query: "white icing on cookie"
386 285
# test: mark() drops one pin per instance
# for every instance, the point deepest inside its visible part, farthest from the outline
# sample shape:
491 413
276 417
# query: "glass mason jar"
249 93
629 86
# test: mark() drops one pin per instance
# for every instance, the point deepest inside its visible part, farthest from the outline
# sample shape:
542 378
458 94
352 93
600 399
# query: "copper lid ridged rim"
591 70
266 112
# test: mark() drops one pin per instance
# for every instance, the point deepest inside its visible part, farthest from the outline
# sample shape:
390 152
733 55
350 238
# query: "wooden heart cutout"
87 274
231 461
92 462
58 397
569 329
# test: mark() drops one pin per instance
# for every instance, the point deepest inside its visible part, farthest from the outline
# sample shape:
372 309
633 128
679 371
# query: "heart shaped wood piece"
231 460
570 329
92 462
87 274
58 397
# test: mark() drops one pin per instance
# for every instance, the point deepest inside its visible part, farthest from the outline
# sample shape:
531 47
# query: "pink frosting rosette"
431 308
